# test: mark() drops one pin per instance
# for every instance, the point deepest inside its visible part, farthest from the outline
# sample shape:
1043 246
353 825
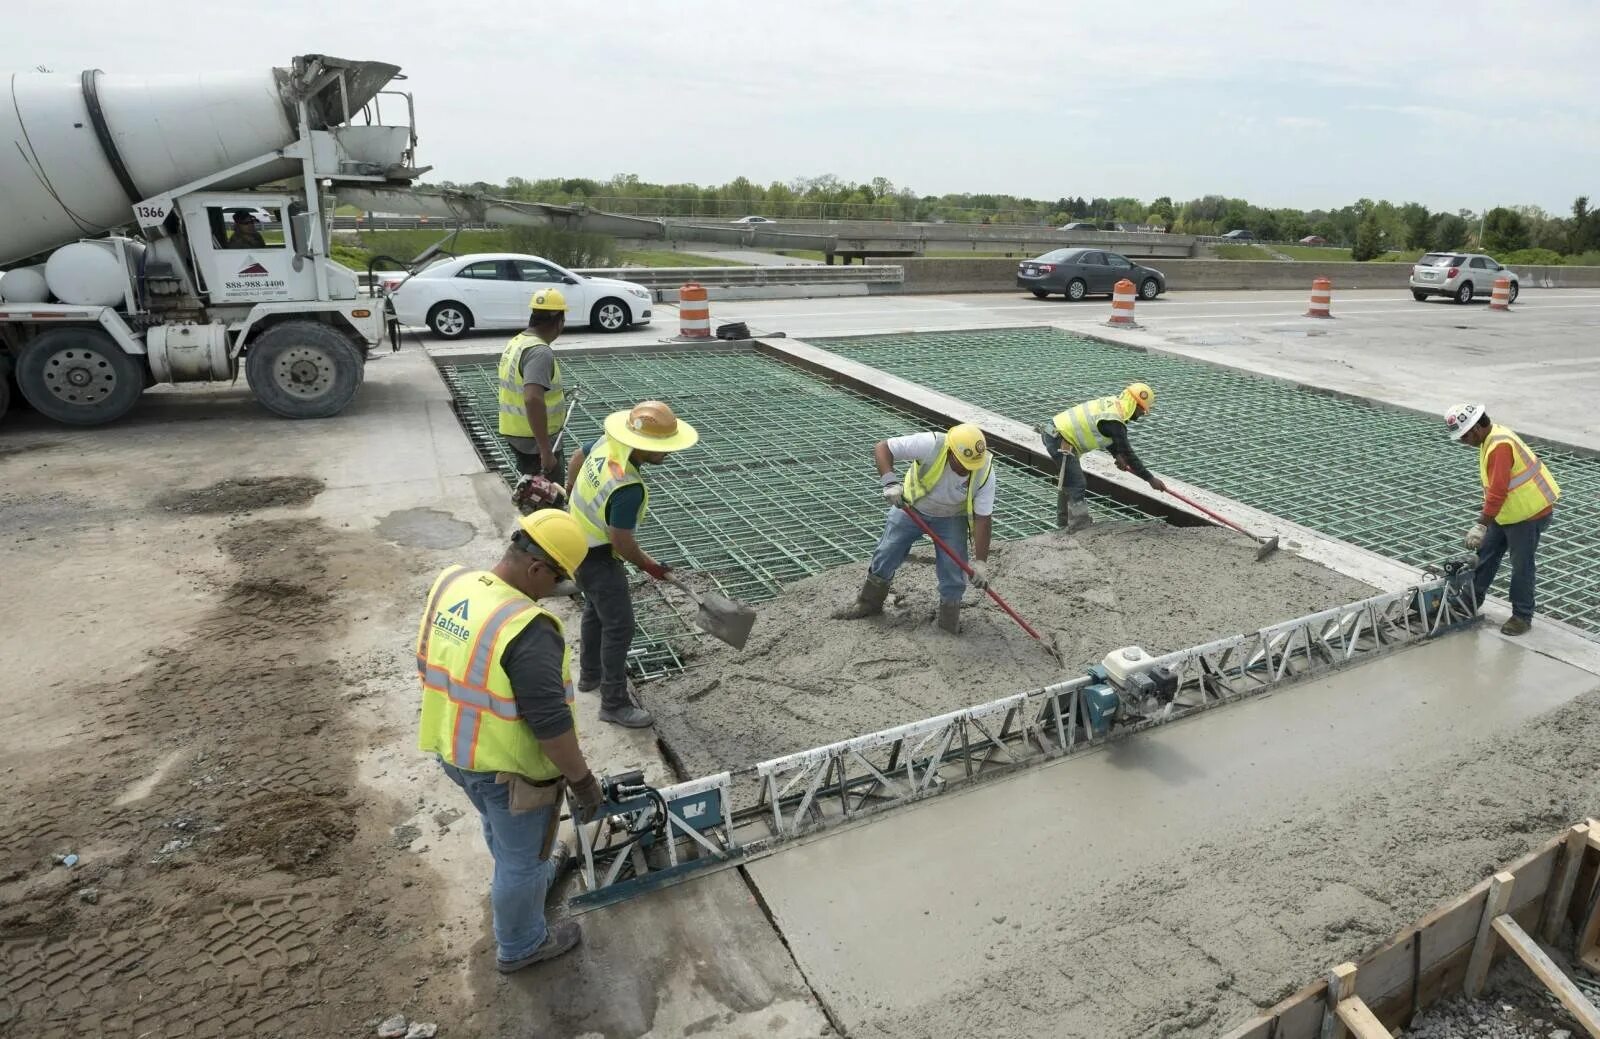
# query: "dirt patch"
296 833
243 494
234 889
805 679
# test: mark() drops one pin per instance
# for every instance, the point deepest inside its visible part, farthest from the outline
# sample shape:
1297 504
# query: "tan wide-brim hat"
651 426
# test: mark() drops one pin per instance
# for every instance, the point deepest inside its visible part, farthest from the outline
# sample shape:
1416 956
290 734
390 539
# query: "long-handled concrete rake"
1268 545
942 546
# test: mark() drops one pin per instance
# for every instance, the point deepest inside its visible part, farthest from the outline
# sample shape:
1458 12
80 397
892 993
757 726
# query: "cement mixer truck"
117 196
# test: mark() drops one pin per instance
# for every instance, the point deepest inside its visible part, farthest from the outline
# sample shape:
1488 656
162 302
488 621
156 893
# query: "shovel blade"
726 620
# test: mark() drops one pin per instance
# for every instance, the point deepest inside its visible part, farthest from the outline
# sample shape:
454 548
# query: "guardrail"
795 274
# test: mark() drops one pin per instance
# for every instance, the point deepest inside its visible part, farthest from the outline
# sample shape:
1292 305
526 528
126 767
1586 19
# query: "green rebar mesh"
1379 478
780 486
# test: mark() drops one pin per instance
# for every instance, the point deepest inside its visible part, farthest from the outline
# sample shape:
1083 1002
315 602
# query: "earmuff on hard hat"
966 443
548 299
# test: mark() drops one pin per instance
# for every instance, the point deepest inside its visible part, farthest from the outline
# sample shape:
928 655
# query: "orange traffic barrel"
694 312
1122 305
1321 298
1500 298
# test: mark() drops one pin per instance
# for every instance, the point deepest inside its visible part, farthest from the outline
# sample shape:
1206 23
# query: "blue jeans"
900 533
521 878
1075 486
1522 539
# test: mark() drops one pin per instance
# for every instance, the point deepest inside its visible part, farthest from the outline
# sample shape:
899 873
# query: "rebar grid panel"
780 487
1379 478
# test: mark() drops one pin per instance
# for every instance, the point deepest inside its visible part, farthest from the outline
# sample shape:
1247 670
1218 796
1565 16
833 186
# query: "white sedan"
492 290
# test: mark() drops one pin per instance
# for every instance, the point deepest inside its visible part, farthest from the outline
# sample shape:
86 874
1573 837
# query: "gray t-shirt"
538 369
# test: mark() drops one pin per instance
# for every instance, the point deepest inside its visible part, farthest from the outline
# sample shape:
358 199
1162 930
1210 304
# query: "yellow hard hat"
650 425
559 536
1140 396
548 299
967 445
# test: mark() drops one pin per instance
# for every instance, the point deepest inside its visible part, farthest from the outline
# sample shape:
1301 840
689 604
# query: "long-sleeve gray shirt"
532 661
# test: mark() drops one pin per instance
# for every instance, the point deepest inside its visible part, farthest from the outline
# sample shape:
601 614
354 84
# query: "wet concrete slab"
1171 881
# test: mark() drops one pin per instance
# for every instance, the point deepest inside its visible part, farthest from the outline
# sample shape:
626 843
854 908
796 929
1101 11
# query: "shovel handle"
939 542
1225 521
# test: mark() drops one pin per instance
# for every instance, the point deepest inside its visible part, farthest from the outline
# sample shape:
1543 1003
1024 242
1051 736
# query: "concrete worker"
609 500
950 482
246 231
1095 425
1519 498
533 404
497 711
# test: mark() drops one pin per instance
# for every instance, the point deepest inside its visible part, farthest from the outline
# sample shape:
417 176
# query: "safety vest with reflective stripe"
1080 426
469 713
918 484
1532 488
609 469
513 411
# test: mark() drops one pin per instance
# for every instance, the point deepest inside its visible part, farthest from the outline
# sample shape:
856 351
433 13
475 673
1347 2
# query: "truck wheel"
78 376
303 369
5 392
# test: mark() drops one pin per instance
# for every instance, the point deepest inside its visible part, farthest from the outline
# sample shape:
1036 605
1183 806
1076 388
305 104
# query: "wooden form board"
1430 958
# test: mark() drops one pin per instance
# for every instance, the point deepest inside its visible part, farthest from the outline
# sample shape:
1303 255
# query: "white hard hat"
1462 417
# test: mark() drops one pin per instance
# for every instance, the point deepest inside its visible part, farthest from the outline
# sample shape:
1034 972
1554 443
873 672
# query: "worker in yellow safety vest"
1519 499
608 498
1095 425
533 402
498 713
950 482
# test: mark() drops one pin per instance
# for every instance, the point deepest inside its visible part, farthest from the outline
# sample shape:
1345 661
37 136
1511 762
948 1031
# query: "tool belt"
527 795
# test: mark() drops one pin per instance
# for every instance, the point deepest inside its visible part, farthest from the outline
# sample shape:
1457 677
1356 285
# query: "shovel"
1268 545
939 542
719 616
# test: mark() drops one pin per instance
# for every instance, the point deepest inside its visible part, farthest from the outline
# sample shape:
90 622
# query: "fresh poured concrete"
1170 884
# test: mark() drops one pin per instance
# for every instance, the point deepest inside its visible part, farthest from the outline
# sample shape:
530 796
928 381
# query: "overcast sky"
1311 105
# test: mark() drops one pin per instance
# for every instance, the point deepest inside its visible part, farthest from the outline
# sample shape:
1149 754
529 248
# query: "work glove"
587 793
894 495
1158 485
1476 535
980 574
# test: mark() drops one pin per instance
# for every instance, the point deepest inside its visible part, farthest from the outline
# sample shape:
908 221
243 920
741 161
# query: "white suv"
1461 275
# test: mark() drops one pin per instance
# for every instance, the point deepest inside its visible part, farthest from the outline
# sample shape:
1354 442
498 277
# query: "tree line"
1369 228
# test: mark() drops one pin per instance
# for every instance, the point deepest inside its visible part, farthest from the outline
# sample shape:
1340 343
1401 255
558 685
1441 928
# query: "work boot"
869 602
1078 516
1515 626
588 685
560 939
621 710
950 617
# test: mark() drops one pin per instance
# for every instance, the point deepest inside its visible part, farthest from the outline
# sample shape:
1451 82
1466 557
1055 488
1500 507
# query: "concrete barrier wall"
995 275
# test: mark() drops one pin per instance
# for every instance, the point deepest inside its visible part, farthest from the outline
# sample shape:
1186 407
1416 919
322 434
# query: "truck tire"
5 392
303 369
78 376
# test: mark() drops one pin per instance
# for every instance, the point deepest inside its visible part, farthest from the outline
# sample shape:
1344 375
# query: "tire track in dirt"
242 894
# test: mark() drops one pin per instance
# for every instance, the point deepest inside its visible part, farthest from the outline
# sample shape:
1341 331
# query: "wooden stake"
1341 986
1483 948
1554 979
1359 1018
1560 898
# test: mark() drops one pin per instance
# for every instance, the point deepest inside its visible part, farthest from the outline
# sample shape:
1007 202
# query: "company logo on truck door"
252 270
255 281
